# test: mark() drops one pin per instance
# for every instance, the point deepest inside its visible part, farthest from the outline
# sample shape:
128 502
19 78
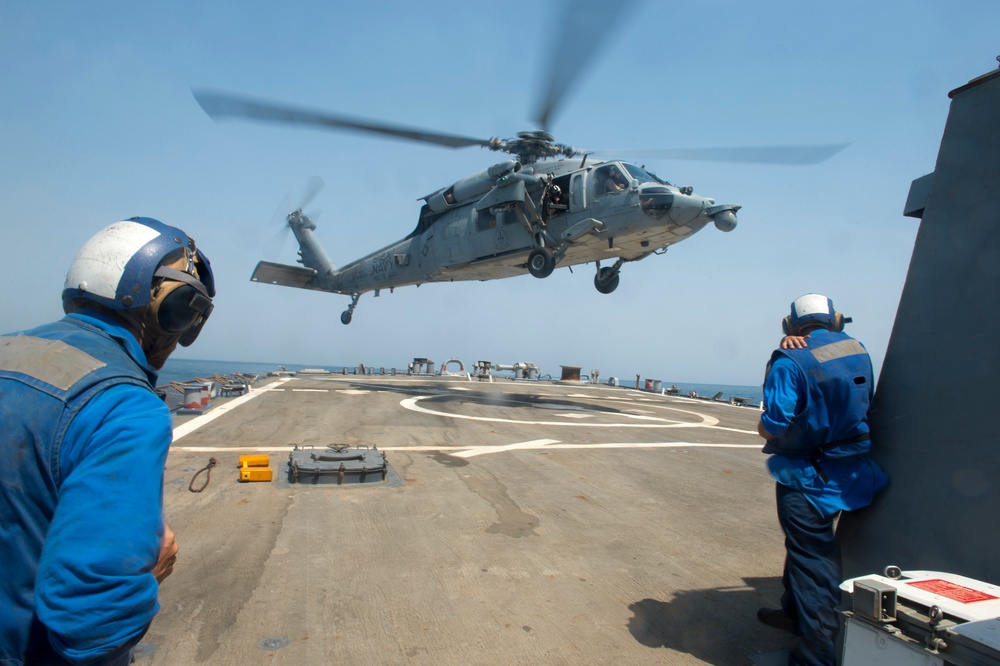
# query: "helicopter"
548 205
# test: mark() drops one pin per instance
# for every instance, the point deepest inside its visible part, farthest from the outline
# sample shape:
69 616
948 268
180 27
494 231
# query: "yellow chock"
248 473
254 461
255 468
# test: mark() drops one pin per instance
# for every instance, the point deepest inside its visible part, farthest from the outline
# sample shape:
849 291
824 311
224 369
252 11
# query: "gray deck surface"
555 523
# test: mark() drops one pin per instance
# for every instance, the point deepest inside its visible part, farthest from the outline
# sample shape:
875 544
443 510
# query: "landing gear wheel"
606 280
541 262
348 314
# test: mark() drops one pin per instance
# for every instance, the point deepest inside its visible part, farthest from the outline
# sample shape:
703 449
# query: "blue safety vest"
47 375
833 421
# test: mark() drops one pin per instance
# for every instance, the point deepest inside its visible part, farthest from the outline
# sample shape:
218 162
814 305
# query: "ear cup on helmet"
175 313
181 305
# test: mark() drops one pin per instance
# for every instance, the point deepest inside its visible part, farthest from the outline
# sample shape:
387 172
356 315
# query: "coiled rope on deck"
208 477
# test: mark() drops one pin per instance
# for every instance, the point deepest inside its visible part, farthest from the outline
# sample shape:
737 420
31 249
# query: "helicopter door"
578 192
457 234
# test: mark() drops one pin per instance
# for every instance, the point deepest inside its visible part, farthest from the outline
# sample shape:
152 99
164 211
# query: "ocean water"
754 394
185 370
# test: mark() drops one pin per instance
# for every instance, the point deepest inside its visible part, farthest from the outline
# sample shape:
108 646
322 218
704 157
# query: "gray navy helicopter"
547 206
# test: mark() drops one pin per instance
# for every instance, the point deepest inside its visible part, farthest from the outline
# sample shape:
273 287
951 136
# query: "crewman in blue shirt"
818 389
83 442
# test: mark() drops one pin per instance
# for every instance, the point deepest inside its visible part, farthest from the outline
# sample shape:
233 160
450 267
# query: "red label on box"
960 593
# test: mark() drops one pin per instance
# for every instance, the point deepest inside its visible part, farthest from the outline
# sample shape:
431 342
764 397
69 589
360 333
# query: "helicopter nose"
689 207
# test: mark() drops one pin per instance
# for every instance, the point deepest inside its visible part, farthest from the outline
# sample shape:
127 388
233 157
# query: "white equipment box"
921 618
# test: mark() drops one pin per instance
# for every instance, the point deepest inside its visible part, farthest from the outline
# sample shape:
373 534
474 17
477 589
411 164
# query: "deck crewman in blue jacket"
83 442
818 389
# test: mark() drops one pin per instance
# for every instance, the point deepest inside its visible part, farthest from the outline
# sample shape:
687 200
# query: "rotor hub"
536 135
531 146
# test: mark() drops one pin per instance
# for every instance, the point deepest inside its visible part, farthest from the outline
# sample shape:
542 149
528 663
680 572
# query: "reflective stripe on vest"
837 350
51 361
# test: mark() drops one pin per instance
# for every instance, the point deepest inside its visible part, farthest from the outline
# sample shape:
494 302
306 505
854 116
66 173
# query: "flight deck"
532 522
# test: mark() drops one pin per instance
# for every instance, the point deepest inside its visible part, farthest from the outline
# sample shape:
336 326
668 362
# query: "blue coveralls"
83 442
816 407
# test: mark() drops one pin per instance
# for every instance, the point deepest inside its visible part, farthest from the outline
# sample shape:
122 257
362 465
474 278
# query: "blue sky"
97 124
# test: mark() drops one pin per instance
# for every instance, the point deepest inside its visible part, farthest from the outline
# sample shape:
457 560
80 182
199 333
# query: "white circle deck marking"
706 421
468 452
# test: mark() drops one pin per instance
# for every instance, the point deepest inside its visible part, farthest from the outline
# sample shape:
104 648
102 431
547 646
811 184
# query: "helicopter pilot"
612 181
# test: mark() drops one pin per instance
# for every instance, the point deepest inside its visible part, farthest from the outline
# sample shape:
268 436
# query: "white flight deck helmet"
813 309
119 267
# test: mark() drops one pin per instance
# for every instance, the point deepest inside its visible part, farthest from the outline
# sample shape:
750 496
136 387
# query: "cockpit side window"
608 180
485 221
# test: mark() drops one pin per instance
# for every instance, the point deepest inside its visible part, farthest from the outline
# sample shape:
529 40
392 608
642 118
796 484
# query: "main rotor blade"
586 27
223 105
752 155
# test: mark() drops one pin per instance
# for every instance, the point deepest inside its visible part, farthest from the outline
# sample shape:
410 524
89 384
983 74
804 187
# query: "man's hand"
168 555
793 342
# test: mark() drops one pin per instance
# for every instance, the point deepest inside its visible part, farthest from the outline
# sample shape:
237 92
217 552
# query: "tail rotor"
276 244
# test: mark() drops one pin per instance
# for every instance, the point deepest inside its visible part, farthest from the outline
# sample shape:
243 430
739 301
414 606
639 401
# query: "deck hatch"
336 465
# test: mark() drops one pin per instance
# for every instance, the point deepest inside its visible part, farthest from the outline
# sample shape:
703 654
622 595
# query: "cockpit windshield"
642 175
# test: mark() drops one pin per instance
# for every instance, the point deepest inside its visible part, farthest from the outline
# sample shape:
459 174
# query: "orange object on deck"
254 461
255 473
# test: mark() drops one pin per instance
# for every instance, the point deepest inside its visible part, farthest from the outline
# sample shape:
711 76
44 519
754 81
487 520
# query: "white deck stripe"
467 452
533 444
190 426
